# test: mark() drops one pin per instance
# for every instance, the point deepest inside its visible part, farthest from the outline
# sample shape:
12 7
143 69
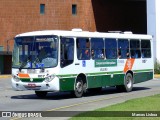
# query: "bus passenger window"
111 48
135 49
146 48
83 48
97 48
123 48
67 51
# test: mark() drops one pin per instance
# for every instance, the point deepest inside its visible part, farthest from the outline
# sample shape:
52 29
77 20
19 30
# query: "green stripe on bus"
102 73
144 70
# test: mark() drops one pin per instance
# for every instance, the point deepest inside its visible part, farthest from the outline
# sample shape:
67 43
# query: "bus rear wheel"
128 84
41 94
78 92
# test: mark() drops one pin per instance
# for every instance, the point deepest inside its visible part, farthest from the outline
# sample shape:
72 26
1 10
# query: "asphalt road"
11 100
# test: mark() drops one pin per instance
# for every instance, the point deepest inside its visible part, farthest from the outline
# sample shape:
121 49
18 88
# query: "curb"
5 76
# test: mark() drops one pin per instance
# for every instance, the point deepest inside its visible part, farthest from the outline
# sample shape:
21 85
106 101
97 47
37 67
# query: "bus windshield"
35 52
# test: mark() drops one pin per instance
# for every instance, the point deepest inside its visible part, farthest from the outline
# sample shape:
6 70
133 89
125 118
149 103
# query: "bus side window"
97 48
67 51
123 48
83 48
146 48
111 48
135 49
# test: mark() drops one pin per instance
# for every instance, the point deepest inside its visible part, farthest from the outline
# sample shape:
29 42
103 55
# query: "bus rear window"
146 48
135 49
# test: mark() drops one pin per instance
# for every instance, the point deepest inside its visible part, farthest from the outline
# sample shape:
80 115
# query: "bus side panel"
142 76
67 84
105 80
116 79
95 81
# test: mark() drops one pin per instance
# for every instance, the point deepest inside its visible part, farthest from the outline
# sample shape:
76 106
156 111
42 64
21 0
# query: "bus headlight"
15 78
49 78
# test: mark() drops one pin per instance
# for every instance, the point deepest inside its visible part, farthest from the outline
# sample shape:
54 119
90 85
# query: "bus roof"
79 33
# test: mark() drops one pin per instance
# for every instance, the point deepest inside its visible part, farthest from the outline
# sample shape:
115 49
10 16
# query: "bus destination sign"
105 63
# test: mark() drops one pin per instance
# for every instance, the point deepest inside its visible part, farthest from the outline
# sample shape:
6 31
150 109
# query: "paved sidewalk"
157 76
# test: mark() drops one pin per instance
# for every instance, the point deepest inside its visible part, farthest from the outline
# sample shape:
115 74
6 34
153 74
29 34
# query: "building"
17 16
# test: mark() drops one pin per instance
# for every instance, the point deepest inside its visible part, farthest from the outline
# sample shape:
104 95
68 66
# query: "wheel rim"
79 87
129 82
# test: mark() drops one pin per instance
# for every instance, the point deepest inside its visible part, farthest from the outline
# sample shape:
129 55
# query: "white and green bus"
77 61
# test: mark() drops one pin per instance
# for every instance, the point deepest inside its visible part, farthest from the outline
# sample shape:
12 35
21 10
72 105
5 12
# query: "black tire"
128 84
41 94
85 87
120 88
95 90
79 89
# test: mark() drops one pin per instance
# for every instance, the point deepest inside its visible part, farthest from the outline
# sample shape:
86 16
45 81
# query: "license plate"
31 85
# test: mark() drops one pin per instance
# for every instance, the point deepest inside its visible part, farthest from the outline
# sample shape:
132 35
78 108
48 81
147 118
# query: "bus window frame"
78 47
72 61
102 49
119 49
146 48
105 47
136 56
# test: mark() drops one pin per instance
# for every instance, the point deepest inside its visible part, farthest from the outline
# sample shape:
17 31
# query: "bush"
157 67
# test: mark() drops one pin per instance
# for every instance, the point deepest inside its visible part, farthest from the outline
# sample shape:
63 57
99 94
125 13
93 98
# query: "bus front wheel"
41 94
78 92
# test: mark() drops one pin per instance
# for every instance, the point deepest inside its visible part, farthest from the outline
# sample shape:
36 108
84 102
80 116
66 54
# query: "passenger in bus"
100 54
93 54
134 54
42 53
142 54
86 54
127 54
119 53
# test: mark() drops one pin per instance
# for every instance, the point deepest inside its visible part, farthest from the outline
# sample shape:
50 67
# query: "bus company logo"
31 79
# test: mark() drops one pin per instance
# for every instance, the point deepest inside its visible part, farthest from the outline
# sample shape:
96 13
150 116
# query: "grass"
157 67
140 105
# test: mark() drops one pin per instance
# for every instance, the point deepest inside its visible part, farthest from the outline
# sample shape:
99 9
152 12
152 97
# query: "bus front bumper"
38 86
